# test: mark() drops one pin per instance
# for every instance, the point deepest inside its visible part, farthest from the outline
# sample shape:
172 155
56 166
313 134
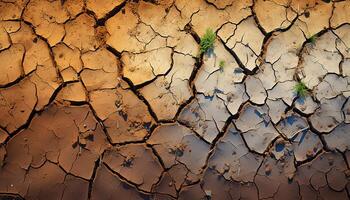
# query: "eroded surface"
113 99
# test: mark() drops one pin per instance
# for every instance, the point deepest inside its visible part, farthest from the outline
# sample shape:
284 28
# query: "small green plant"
300 89
312 39
207 41
221 64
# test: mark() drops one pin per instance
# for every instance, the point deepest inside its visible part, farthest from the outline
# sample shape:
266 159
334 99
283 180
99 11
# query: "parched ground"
111 99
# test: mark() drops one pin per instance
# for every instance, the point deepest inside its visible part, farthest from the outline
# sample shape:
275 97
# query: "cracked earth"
111 99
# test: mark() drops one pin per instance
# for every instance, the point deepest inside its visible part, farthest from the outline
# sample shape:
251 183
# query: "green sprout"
221 64
300 89
312 39
207 41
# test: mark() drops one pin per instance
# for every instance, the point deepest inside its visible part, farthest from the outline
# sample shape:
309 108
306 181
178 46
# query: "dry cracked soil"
112 99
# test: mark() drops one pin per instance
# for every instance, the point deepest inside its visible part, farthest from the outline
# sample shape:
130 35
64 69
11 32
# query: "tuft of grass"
207 41
222 64
300 89
312 39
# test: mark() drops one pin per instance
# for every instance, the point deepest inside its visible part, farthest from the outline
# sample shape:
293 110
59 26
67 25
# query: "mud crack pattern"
111 99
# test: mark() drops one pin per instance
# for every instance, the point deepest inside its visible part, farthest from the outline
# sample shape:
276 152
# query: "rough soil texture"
111 99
